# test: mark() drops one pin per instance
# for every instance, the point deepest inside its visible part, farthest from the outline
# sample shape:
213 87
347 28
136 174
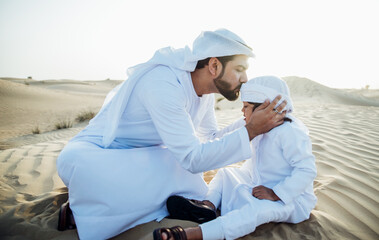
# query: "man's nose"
243 78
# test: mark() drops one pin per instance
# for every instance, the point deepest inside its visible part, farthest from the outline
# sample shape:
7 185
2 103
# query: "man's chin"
231 97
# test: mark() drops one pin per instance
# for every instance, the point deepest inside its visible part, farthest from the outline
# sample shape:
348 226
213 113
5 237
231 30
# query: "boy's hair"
223 60
286 119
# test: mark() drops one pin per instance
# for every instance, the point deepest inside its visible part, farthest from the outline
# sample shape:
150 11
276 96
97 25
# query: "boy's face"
247 110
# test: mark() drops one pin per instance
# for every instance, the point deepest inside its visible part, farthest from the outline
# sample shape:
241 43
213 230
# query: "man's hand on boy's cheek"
262 192
266 117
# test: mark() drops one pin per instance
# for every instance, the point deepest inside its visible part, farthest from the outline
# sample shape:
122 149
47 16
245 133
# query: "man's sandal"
177 233
66 218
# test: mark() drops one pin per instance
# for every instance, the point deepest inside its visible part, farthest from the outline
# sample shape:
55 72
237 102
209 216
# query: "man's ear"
213 65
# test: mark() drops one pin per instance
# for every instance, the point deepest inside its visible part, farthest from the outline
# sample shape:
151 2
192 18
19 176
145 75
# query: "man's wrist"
250 131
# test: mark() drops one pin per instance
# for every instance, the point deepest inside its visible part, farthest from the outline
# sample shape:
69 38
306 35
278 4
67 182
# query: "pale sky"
333 42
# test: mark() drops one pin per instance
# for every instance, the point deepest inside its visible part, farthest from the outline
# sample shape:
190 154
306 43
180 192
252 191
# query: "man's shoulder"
160 77
160 81
161 73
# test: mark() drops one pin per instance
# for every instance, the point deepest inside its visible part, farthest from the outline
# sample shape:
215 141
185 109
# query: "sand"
344 128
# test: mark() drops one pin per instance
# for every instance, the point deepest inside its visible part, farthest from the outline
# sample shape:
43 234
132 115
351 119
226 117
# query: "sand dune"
28 104
345 143
306 90
344 129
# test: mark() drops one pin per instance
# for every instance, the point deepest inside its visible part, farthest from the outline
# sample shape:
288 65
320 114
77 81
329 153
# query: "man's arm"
211 134
165 100
264 118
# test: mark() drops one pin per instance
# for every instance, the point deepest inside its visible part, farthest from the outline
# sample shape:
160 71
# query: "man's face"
229 82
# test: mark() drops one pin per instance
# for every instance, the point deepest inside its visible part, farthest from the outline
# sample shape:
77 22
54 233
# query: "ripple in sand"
345 143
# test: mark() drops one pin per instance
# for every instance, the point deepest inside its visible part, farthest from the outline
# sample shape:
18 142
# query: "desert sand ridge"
24 107
303 89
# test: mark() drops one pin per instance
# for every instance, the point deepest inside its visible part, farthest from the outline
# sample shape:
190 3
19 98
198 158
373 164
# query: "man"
156 133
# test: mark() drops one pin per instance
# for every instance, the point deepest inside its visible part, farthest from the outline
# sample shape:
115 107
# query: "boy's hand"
262 192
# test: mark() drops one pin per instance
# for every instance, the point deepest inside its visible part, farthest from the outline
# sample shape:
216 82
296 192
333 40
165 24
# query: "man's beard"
224 88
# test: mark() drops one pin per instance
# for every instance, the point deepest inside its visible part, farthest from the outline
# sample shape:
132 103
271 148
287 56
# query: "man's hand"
265 117
262 192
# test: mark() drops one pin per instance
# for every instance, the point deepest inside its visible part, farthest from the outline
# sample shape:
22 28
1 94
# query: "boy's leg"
221 187
214 194
194 210
242 221
220 190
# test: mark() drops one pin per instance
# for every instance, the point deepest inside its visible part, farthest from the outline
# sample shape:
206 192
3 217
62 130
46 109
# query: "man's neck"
202 83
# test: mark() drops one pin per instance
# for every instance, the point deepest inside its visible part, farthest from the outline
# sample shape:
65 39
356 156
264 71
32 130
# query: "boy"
275 185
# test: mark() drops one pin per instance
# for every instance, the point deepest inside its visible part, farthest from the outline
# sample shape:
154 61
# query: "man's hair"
286 119
223 60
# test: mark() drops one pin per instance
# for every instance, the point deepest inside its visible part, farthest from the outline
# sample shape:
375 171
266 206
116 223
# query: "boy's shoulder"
290 129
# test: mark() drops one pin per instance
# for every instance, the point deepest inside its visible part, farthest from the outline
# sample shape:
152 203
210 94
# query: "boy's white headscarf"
266 87
217 43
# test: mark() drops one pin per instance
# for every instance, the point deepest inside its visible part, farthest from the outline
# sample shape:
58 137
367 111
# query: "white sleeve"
208 126
239 123
297 151
208 129
166 104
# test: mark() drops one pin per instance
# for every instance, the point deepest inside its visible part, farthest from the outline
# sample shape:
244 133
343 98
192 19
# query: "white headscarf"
217 43
266 87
